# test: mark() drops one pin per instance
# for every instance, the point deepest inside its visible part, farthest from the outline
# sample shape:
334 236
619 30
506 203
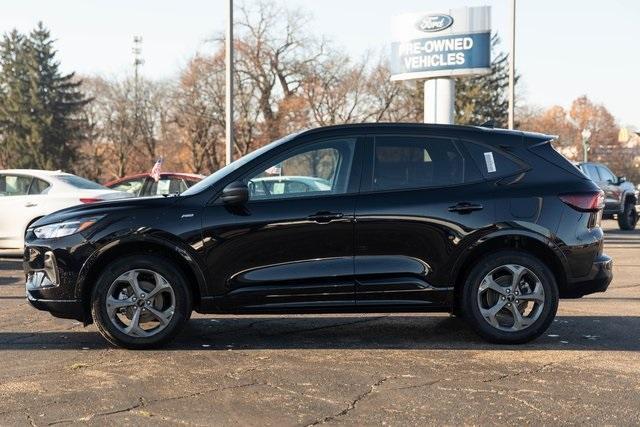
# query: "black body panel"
377 244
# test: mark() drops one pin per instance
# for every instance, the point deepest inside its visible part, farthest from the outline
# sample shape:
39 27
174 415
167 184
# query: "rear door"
421 198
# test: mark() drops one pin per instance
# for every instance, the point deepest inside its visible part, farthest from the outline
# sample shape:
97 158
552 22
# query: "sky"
564 48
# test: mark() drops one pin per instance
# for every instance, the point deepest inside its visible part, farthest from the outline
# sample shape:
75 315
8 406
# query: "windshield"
231 167
81 183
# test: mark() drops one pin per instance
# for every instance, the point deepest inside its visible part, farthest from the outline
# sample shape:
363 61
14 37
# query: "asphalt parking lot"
351 369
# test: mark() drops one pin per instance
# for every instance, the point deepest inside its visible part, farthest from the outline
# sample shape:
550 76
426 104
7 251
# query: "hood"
107 207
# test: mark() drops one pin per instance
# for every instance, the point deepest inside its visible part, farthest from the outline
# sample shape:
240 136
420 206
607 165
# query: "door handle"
324 217
465 207
30 204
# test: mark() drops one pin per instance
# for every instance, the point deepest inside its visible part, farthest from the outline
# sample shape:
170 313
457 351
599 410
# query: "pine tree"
485 97
40 108
14 90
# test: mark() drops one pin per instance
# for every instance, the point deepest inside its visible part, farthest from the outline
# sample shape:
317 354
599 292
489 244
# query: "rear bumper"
597 280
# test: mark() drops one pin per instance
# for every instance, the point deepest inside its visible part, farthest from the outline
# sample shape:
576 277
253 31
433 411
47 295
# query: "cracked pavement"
333 369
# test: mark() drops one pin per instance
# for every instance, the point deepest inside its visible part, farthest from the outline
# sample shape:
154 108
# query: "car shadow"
311 332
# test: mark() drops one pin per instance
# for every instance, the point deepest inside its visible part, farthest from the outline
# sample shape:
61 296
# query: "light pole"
512 66
229 83
586 134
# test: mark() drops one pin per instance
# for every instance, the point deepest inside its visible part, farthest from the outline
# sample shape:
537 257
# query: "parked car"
27 195
620 195
143 185
415 217
272 185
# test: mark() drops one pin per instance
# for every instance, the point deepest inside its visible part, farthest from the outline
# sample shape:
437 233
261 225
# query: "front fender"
150 239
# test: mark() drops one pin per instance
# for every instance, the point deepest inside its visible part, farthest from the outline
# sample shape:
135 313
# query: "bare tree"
199 114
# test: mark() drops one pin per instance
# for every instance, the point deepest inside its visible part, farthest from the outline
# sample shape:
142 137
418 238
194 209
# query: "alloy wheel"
140 303
511 297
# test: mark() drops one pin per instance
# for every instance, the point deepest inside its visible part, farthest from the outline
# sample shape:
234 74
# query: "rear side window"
492 162
39 186
416 162
166 186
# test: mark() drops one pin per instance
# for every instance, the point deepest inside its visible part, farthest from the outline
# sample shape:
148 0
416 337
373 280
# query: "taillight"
584 202
90 200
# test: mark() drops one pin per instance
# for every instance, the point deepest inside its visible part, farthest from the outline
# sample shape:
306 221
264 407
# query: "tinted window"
492 163
321 168
415 162
81 183
606 174
166 186
14 185
39 186
591 172
131 186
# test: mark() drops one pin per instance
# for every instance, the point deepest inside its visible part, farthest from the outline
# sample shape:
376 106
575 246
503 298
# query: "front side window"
416 162
321 168
592 172
14 185
606 175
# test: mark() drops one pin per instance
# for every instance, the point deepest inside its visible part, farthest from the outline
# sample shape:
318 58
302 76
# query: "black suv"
620 196
492 224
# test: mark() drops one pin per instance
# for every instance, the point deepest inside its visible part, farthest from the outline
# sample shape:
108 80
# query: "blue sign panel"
456 42
456 52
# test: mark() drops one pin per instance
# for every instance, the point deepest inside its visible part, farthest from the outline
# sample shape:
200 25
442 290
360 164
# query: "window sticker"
491 164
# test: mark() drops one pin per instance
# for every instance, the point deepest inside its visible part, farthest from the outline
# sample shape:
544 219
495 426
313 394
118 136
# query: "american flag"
155 171
274 170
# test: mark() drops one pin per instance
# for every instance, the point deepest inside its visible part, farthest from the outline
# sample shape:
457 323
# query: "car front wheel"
510 297
141 302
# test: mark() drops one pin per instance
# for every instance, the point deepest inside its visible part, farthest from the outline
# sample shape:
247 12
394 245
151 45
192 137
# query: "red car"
143 185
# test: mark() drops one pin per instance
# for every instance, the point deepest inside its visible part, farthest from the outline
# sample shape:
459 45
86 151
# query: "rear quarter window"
491 162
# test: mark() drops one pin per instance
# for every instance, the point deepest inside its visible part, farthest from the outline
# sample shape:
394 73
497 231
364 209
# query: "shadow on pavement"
588 333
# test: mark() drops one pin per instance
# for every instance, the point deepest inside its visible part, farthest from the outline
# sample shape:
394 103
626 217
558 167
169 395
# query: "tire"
628 218
504 267
115 288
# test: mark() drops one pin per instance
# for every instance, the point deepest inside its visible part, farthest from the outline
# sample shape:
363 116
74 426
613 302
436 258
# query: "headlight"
61 229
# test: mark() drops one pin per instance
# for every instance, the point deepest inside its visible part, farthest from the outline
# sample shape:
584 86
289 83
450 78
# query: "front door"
419 200
291 245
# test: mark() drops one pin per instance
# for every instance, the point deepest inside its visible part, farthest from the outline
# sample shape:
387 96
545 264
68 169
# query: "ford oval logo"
434 22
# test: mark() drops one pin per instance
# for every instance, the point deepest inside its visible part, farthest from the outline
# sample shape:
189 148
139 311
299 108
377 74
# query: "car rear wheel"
510 297
628 218
141 302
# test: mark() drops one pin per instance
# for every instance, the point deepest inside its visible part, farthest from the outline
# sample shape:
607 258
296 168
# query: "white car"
27 195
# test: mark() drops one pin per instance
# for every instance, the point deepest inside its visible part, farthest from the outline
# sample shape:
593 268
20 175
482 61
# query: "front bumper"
51 270
597 280
65 309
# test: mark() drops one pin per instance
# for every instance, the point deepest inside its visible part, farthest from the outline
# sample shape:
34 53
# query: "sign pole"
439 100
229 84
512 65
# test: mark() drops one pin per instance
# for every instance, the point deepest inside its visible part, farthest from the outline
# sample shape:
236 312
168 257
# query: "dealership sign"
454 43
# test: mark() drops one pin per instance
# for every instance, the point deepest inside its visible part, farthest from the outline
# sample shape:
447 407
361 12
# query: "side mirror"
622 179
236 193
